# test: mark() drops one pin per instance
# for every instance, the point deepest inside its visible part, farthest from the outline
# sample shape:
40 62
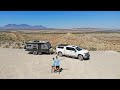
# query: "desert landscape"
18 64
91 40
96 33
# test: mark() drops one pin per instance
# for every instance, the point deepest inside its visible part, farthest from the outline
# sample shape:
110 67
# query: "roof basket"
62 44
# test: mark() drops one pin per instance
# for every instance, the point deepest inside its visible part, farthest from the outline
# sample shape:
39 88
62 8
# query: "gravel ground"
17 64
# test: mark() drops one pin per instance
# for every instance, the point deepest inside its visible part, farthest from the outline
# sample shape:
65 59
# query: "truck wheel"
60 54
35 53
80 57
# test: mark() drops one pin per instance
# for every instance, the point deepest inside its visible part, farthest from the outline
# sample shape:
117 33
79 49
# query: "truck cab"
72 51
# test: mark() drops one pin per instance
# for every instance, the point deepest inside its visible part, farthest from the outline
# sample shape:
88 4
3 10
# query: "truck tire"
60 54
35 52
80 57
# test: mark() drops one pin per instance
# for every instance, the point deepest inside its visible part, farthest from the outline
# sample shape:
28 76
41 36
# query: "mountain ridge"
41 27
22 26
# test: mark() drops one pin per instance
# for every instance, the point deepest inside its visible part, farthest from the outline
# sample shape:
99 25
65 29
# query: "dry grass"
6 46
90 41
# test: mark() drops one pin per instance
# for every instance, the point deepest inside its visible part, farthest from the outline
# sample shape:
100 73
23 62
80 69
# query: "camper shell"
38 47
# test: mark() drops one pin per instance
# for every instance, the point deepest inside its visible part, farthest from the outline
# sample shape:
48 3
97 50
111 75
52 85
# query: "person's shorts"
57 66
53 66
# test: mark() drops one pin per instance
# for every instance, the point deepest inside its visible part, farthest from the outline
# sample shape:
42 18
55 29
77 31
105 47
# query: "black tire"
35 52
60 54
80 57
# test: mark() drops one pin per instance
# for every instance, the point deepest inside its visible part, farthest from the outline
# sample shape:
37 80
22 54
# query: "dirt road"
17 64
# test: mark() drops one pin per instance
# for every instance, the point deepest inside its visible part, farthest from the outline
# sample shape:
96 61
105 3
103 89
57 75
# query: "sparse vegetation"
92 49
18 44
118 51
13 47
88 40
6 46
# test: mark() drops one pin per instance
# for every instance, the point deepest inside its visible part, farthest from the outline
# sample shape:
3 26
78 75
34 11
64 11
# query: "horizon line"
64 28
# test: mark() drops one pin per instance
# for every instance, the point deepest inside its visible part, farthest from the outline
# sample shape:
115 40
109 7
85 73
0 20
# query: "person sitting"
53 66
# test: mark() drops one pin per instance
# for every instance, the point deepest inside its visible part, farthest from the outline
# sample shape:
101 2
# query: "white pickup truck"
73 51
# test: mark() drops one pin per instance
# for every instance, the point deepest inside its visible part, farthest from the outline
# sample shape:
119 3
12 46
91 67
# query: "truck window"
60 47
78 48
69 48
72 49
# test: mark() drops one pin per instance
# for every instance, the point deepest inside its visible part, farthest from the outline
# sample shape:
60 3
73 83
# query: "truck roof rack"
37 42
63 45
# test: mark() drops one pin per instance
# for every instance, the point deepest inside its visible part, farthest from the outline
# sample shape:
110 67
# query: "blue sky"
62 19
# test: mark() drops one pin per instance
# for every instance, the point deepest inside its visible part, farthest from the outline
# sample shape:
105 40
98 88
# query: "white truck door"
70 51
67 51
73 53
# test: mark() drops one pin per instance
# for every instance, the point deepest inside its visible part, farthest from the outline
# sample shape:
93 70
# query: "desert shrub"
6 46
118 51
18 44
20 47
13 47
0 44
10 43
3 42
52 50
92 49
54 47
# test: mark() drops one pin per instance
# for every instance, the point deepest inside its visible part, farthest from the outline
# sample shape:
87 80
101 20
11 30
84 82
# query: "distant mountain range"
97 29
22 26
40 27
